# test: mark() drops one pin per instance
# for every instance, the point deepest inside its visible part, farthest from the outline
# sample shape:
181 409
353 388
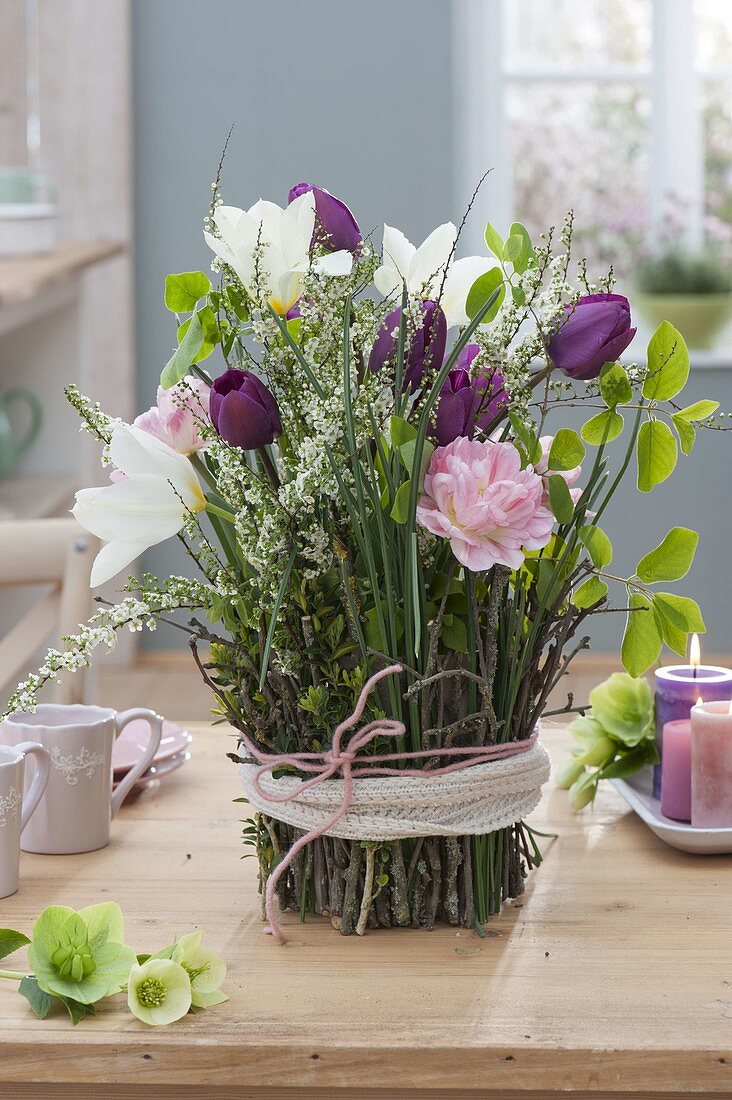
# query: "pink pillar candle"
676 772
711 766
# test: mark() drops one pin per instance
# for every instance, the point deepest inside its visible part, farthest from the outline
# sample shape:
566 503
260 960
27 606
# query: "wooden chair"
42 552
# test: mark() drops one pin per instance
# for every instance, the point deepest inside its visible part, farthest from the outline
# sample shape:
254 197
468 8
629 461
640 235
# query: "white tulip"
269 249
429 271
148 505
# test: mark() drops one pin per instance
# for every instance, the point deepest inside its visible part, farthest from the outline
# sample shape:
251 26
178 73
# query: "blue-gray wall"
357 97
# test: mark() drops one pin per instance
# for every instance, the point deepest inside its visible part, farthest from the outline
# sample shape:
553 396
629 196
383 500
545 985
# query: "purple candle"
677 689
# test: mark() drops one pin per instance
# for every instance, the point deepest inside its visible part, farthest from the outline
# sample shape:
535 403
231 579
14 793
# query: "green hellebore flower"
623 707
159 992
583 790
568 773
205 969
80 955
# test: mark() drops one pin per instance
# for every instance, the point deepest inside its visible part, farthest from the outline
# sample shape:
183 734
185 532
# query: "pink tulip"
542 468
477 496
178 416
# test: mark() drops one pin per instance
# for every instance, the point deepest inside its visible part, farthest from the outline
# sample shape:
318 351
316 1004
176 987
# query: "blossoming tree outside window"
384 482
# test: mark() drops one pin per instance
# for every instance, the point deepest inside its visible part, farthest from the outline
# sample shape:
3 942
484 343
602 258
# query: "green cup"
20 185
14 444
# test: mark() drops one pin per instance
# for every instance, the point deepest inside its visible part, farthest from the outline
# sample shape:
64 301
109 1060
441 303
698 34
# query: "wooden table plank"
610 976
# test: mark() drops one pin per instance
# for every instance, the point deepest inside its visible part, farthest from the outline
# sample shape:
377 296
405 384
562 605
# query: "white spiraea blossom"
429 271
149 504
269 249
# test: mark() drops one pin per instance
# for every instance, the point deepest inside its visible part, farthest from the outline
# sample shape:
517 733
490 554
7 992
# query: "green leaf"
211 333
481 292
603 428
668 363
185 354
629 762
567 450
454 633
519 249
657 454
494 240
560 500
671 560
407 454
40 1001
681 611
642 639
77 1010
11 941
590 593
598 545
185 290
400 507
686 433
700 410
674 638
401 432
237 301
528 438
615 385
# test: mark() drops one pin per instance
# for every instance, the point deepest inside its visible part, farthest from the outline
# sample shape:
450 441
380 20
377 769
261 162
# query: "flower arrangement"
389 517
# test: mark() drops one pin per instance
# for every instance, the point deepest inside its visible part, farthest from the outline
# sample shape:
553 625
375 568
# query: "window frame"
481 124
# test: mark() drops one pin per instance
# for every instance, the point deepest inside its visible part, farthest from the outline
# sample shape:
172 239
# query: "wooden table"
611 976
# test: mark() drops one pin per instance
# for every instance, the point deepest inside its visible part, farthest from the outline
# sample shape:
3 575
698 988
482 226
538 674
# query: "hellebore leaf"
567 450
668 363
671 560
656 453
642 640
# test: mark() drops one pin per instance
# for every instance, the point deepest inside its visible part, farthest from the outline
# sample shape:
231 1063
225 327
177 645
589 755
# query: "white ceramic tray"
637 791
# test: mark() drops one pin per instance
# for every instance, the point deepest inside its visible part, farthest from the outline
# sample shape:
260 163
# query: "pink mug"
76 812
15 808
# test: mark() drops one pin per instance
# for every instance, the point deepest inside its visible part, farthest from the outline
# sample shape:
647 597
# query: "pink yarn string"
338 759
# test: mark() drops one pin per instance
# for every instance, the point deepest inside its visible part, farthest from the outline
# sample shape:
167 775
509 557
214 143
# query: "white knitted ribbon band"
473 800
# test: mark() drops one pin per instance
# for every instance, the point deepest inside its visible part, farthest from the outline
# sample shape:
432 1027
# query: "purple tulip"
426 346
335 226
456 408
489 385
596 331
243 410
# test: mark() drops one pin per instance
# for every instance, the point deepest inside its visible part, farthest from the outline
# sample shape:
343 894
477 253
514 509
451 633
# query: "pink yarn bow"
339 759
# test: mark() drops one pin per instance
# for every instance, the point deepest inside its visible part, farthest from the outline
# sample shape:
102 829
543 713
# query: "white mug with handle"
76 812
15 808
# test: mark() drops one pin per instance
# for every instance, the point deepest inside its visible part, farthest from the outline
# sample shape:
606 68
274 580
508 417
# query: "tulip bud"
243 410
488 385
569 773
596 330
336 229
425 348
455 408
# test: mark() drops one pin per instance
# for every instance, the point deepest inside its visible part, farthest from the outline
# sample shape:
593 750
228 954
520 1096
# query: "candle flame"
694 651
699 701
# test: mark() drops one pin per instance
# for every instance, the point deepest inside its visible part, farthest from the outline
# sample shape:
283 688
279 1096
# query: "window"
620 109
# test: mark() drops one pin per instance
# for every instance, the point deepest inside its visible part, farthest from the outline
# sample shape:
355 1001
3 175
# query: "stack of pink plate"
130 747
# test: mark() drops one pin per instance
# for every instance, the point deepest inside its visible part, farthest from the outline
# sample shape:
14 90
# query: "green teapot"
14 444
